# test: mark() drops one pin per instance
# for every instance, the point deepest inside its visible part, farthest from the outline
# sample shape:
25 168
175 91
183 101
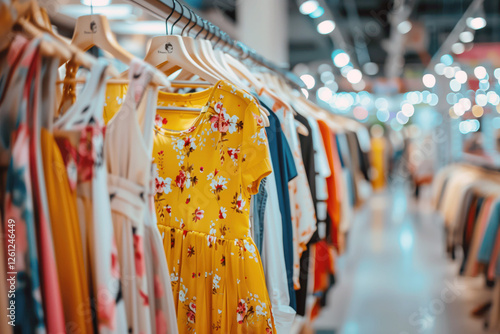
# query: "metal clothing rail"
182 16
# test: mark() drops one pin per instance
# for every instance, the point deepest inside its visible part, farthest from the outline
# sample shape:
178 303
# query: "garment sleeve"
290 164
256 162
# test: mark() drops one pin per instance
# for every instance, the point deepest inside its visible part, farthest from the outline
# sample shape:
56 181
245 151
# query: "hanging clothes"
80 137
273 261
19 202
207 167
64 225
284 171
128 182
50 282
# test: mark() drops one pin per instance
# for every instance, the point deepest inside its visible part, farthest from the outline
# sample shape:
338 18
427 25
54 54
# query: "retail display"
467 197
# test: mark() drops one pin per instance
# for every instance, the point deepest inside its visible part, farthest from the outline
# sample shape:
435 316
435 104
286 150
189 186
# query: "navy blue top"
284 170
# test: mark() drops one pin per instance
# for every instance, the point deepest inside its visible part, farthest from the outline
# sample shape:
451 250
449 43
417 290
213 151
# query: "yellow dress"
67 238
115 96
207 166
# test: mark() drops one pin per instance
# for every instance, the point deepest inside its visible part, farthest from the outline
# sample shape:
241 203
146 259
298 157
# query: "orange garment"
378 162
494 258
324 268
333 181
66 239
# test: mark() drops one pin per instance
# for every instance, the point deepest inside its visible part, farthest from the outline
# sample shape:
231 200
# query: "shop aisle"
395 277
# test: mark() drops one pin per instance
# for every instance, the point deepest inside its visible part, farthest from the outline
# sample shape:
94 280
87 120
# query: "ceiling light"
408 109
308 80
150 28
112 12
324 94
383 115
439 68
359 86
341 59
480 72
461 77
484 84
402 118
326 27
465 103
429 80
493 98
354 76
449 72
370 68
96 3
360 113
404 27
477 111
481 100
324 68
317 13
455 85
447 59
346 69
476 23
305 92
466 36
308 7
458 48
496 73
334 87
433 100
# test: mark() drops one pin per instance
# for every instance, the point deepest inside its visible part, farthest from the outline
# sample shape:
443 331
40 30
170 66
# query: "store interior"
328 166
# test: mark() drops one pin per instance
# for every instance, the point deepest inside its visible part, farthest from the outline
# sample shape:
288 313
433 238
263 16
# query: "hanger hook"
190 15
212 33
180 16
219 36
226 46
208 29
202 26
194 22
168 17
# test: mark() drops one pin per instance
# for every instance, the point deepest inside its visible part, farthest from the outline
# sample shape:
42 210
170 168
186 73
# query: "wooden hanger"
39 18
94 30
192 47
48 47
207 52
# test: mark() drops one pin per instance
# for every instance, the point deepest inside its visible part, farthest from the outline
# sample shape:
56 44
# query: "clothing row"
81 231
468 198
141 210
291 210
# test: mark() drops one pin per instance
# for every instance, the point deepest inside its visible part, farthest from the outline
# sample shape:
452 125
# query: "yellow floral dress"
207 166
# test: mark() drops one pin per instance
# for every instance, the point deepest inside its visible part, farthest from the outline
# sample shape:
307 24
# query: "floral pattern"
205 177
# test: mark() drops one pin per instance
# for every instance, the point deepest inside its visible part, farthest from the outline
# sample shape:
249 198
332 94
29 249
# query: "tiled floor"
395 277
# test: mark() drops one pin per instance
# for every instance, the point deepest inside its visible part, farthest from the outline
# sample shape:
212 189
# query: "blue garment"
259 207
488 243
339 150
284 170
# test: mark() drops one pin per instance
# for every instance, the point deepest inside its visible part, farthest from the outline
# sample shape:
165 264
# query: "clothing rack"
181 15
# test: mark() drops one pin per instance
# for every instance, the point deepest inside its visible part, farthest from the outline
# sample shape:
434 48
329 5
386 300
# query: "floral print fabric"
19 199
207 166
80 136
146 289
